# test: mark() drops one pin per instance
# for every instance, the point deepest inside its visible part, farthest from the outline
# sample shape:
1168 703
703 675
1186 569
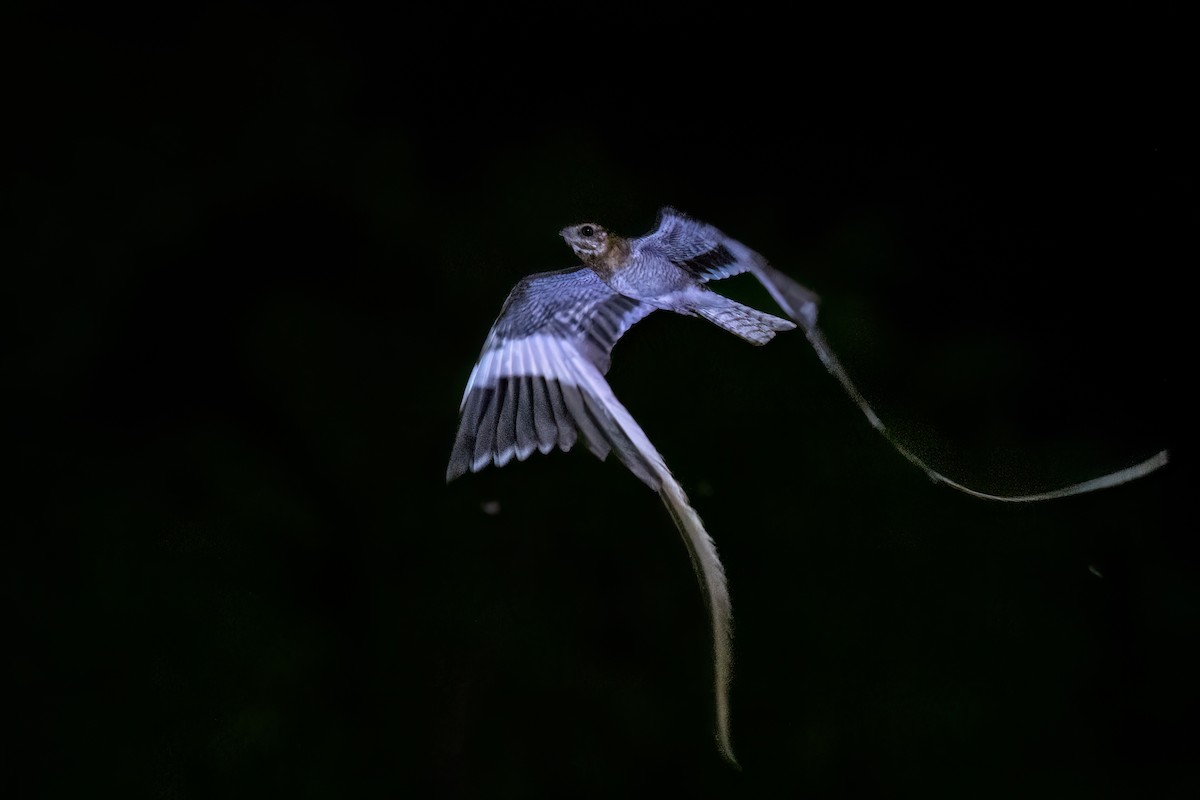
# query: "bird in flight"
539 381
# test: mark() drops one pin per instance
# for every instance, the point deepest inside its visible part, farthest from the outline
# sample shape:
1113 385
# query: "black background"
253 253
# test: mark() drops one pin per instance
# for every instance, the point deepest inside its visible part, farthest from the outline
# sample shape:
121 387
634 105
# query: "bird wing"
701 249
539 380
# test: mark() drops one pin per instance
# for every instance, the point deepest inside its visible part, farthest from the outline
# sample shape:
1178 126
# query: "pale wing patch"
526 392
513 404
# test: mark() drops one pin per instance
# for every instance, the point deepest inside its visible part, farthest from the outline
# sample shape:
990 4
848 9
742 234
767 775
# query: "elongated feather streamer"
801 305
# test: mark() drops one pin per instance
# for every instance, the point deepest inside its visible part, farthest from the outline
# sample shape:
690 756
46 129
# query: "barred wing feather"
539 378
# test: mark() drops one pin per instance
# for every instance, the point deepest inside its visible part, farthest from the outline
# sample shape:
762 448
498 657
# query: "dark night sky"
252 256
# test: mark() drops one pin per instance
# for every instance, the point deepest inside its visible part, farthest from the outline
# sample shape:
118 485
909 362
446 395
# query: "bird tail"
756 327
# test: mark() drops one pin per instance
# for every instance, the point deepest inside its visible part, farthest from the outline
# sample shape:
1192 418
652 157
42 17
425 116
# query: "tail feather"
756 327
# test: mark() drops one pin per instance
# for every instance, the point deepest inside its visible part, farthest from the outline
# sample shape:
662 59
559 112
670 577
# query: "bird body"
539 381
669 267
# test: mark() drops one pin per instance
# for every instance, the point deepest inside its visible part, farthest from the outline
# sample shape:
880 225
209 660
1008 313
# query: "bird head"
588 240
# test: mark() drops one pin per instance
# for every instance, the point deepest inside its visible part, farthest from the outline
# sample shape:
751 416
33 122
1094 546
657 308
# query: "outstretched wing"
539 381
696 246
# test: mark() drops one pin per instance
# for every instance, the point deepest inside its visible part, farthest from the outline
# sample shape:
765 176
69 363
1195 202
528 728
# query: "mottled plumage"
669 267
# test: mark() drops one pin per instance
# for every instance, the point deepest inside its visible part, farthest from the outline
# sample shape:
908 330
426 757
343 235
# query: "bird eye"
587 230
